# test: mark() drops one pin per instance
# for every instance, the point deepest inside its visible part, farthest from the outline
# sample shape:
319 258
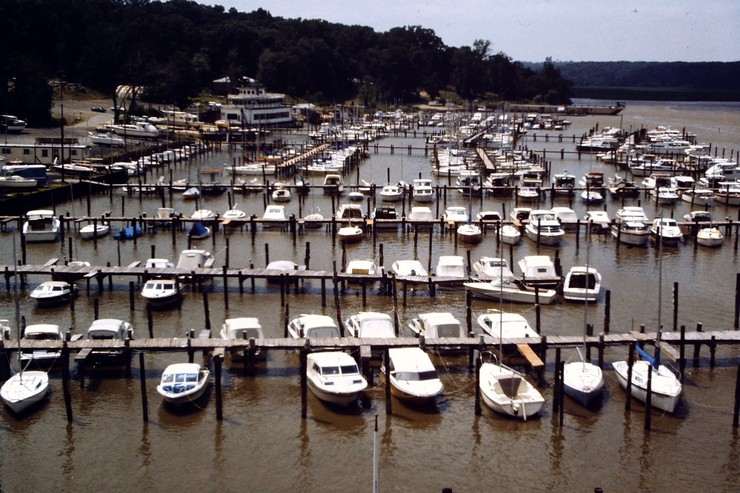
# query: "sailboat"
504 389
25 388
665 387
583 381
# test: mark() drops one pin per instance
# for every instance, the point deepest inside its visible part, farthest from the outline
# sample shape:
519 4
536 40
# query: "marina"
266 403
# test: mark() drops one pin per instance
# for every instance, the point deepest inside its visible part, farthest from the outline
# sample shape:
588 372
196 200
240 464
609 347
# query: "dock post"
607 309
649 401
323 291
538 315
150 322
556 384
736 324
386 372
712 351
65 380
131 297
681 352
142 381
601 350
561 392
736 412
404 285
697 345
191 353
630 362
206 311
219 401
96 308
478 363
226 287
675 306
304 380
469 310
543 356
364 295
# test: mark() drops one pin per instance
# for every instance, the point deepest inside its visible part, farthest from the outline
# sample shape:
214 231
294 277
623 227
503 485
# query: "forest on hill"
177 48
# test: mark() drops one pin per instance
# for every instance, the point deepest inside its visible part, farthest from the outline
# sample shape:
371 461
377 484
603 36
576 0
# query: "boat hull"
665 388
23 390
521 404
489 291
338 397
583 382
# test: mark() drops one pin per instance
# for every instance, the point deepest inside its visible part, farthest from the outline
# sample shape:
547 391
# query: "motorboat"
436 325
593 181
333 184
234 214
313 327
582 283
451 266
370 325
404 268
543 228
350 234
566 216
366 267
164 216
631 232
128 233
41 225
592 197
488 217
24 389
665 387
468 182
281 194
456 214
356 196
12 124
274 216
199 231
162 293
520 215
505 325
710 236
183 383
698 217
277 268
203 215
134 130
391 193
469 233
666 230
563 183
509 234
96 229
109 329
700 197
51 293
192 259
41 332
538 270
620 187
158 263
597 221
511 290
528 192
506 391
191 193
313 220
412 375
243 328
422 191
106 139
385 217
421 214
349 212
17 183
490 267
334 377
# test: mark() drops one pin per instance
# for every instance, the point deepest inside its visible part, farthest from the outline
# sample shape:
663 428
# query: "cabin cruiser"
631 226
451 266
161 293
666 230
183 383
544 228
193 259
412 375
566 216
563 183
41 225
41 332
456 214
597 220
469 233
582 283
275 215
109 329
50 293
505 325
281 194
363 267
391 193
313 326
423 192
492 267
370 325
134 130
468 182
349 212
538 270
511 290
385 217
95 229
421 214
408 268
243 328
334 377
333 184
435 325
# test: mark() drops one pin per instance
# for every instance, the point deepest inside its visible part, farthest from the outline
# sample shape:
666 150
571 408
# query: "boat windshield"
322 332
416 376
448 330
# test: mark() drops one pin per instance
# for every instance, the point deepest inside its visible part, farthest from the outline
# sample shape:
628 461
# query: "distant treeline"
177 48
717 81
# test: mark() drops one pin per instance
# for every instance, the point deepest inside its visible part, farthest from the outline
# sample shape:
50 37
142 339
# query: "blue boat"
199 231
128 233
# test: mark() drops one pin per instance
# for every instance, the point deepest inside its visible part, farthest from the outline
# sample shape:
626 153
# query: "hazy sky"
531 30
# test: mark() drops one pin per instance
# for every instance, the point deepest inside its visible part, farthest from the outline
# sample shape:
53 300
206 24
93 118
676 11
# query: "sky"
532 30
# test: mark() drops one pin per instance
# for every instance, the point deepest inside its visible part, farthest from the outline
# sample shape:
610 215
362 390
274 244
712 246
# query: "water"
262 444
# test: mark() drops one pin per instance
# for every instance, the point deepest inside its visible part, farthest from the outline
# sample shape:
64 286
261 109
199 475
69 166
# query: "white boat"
423 192
391 193
469 233
313 327
11 124
488 216
528 193
370 325
276 216
356 196
582 283
281 194
106 139
544 228
632 232
313 220
350 234
566 216
591 197
134 130
233 213
511 290
253 169
510 234
349 212
109 329
366 267
505 325
701 197
538 270
597 221
24 389
17 183
421 214
436 325
50 293
385 217
456 214
710 236
192 259
334 377
42 332
408 268
506 391
243 328
41 225
583 381
666 230
279 267
183 383
412 375
490 267
202 215
520 215
191 193
451 266
94 230
161 293
199 231
665 387
333 184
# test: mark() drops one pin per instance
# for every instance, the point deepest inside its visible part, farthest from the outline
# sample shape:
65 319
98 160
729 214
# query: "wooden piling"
65 381
304 379
142 381
649 401
387 372
630 362
556 384
217 361
478 363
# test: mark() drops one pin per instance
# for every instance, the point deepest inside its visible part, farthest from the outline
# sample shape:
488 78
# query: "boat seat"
510 385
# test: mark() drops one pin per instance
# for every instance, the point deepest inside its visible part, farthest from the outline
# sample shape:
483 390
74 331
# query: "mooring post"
607 310
131 297
150 322
630 362
681 353
675 306
561 392
304 380
649 400
556 384
386 372
65 380
736 412
601 350
217 360
478 363
142 381
206 312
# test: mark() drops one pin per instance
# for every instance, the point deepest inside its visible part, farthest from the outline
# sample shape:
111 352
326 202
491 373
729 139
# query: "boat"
191 193
563 183
279 267
591 197
349 212
51 293
158 263
42 332
12 124
469 233
437 325
451 266
404 268
488 217
520 215
199 231
356 196
701 197
412 375
334 377
95 229
385 217
505 325
333 184
710 236
17 183
134 130
370 325
363 267
566 216
106 139
128 233
630 226
281 194
666 231
619 187
350 234
275 216
41 225
664 385
422 191
582 283
528 192
597 221
538 270
109 329
313 221
506 391
183 383
593 181
543 228
391 193
468 182
511 290
313 327
492 267
243 328
202 215
510 234
456 214
162 293
421 217
192 259
233 218
24 389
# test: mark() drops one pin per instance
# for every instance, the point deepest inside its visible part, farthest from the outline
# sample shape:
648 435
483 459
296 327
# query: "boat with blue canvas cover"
128 233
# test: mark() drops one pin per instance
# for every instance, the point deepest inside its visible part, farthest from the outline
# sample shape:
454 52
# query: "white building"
45 151
254 106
